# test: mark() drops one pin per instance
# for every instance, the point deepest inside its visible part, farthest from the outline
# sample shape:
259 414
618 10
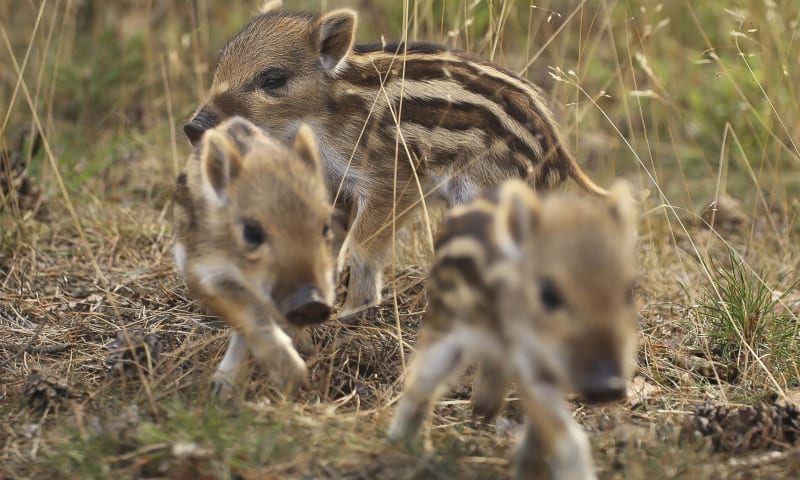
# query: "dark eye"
253 233
273 81
327 233
551 297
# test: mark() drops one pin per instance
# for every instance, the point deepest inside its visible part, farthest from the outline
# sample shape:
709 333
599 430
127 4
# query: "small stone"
724 214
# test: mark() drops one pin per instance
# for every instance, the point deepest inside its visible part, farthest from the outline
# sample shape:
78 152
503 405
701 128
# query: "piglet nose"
308 307
613 389
604 384
198 125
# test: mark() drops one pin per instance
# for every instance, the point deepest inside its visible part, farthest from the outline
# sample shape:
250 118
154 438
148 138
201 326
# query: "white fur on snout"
211 273
179 251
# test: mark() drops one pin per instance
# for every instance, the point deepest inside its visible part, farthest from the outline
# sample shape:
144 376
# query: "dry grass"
689 101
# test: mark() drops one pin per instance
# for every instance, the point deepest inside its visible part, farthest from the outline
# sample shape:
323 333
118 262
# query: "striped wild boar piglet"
395 123
252 220
535 290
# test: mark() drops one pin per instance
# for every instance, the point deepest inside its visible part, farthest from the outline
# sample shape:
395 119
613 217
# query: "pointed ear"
624 208
337 31
305 146
517 214
271 5
220 163
240 131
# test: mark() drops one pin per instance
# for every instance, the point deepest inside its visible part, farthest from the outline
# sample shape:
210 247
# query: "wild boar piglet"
397 124
538 290
253 227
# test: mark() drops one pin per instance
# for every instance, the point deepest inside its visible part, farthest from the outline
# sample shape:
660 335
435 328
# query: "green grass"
746 319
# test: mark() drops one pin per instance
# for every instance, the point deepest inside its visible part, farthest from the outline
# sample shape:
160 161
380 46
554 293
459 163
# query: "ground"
696 104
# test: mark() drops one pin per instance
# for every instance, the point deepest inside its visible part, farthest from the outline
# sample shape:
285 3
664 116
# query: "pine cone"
133 351
44 389
768 425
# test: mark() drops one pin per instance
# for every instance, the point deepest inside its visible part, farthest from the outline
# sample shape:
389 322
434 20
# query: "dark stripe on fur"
474 223
518 104
466 267
398 48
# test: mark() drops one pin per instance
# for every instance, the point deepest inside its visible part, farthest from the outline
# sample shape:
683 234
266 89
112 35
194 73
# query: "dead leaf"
639 389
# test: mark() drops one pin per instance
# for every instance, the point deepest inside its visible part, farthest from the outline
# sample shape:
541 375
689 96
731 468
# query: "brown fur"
535 290
253 241
465 124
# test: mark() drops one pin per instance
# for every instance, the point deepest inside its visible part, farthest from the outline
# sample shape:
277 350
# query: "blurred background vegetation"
688 84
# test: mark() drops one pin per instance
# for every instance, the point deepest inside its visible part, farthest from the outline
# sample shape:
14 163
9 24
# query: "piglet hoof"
486 406
359 316
359 312
223 388
568 459
533 466
291 375
360 302
406 424
399 434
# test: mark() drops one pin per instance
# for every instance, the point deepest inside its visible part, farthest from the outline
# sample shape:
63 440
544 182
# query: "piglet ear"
518 214
337 31
271 6
220 163
240 132
305 146
624 209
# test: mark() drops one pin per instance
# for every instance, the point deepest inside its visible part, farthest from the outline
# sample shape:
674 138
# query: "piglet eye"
253 233
273 83
272 80
550 296
327 233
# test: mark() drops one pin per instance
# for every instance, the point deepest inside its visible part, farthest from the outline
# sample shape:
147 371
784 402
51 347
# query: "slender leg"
369 244
268 343
342 219
271 346
553 438
489 391
434 365
230 368
253 319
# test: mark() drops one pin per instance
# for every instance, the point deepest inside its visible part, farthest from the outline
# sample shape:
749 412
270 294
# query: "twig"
58 348
761 459
23 349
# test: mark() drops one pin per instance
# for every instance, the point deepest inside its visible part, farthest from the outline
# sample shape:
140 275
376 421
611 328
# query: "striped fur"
535 290
465 123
